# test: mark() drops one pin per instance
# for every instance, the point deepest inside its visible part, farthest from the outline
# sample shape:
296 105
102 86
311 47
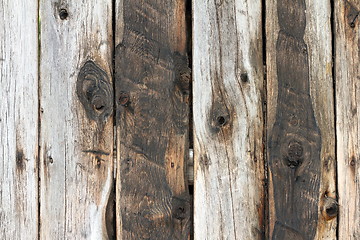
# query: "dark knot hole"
63 14
221 120
332 210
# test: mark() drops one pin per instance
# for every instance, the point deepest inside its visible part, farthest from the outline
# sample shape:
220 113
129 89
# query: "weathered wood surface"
76 162
228 120
301 137
347 73
18 119
152 91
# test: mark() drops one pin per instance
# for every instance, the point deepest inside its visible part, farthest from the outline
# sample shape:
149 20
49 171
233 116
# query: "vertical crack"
264 99
188 18
111 205
333 52
39 121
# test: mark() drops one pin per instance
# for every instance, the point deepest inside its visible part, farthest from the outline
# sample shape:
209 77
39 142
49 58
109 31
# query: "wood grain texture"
152 93
347 73
76 159
301 137
228 120
18 119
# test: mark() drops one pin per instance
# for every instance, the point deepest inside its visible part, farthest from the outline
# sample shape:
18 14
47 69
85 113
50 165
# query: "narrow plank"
300 117
347 75
76 156
228 120
18 119
152 93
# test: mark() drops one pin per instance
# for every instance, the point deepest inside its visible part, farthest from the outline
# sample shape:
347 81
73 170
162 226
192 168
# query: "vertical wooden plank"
347 75
301 137
76 118
228 120
152 92
18 119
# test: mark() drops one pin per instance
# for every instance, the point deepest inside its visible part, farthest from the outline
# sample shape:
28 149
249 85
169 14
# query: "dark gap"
333 53
111 207
191 189
39 122
188 18
111 214
266 225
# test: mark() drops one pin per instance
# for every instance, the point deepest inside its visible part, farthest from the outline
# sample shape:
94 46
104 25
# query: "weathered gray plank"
301 137
152 92
228 120
76 118
347 73
18 120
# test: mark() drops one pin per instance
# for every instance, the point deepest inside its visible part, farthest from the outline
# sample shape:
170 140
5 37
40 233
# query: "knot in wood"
221 121
63 14
124 98
244 77
94 92
98 103
180 210
352 162
295 153
220 117
294 121
331 208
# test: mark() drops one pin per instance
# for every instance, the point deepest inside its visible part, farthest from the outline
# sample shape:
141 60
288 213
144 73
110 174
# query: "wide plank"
76 159
152 92
18 119
347 75
228 88
300 118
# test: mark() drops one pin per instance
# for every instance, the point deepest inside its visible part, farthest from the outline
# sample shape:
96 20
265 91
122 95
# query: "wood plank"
152 93
300 117
347 75
228 120
18 119
76 156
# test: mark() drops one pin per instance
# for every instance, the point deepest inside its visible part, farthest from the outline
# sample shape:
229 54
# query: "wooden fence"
102 103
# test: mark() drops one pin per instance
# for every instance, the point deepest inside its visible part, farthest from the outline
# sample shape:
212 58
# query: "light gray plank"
228 120
18 119
347 73
76 118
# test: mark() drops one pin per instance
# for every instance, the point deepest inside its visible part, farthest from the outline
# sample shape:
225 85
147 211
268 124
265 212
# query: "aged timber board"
152 91
300 146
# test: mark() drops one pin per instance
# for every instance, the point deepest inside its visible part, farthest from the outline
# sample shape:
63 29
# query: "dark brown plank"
152 92
300 143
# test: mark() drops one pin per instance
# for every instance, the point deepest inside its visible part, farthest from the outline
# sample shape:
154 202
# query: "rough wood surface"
76 162
152 91
301 141
228 120
18 119
347 73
